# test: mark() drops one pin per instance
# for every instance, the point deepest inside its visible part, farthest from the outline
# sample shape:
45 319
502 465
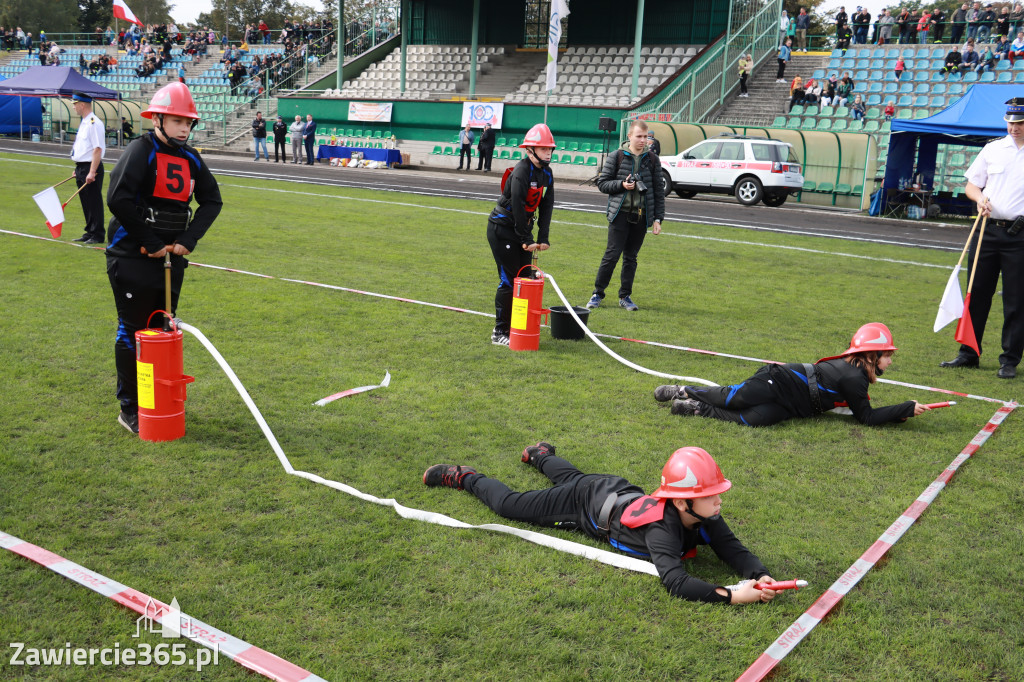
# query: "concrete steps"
768 99
516 68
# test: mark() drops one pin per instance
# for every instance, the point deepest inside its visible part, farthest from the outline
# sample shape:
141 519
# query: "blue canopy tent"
52 81
18 114
973 120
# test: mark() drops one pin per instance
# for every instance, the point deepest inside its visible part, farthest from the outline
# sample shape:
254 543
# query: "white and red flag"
52 209
121 11
952 305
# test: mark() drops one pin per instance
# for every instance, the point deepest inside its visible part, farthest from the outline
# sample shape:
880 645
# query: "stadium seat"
875 87
874 100
517 155
448 151
1019 77
922 53
856 126
843 188
871 127
779 122
437 150
970 77
937 101
842 112
825 187
906 88
1005 77
922 89
827 111
905 101
793 123
824 124
921 76
920 101
579 160
873 113
503 154
513 142
592 161
809 185
839 125
891 88
797 110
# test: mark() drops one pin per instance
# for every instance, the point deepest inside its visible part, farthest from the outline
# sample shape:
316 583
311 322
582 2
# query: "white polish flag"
121 11
952 305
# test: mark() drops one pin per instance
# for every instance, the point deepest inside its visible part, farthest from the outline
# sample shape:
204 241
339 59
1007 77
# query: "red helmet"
173 99
539 136
691 473
872 336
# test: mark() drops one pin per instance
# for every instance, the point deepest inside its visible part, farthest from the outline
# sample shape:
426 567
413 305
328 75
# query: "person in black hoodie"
665 527
280 136
151 189
485 149
527 196
631 178
784 391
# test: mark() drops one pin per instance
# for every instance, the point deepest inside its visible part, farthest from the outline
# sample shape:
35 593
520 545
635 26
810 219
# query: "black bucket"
562 324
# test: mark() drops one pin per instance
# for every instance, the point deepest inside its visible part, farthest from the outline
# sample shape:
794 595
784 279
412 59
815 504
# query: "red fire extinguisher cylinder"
161 383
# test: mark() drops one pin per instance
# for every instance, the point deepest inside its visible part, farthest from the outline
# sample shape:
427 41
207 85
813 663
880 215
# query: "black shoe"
447 475
1006 372
663 394
129 420
535 454
92 240
499 338
686 408
960 361
83 238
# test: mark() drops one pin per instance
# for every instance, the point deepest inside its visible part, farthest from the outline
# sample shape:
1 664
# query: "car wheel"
748 191
666 182
683 194
774 199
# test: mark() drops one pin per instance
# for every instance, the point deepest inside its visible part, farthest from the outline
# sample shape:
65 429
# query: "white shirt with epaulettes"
90 135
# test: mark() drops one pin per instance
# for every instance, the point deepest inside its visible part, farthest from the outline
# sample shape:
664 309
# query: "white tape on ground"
604 556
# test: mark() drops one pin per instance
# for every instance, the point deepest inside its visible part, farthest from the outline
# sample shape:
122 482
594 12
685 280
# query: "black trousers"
466 151
309 150
624 240
754 402
743 83
572 503
782 69
510 257
958 32
1000 253
484 158
279 144
138 286
92 200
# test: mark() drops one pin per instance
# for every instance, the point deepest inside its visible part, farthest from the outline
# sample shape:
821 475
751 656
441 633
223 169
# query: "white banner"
374 112
476 114
559 11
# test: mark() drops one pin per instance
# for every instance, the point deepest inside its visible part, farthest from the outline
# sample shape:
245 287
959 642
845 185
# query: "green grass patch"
349 590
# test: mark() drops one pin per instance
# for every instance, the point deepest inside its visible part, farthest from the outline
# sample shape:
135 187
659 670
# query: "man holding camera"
636 201
995 181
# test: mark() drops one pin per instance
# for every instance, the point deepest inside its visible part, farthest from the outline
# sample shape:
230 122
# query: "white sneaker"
499 338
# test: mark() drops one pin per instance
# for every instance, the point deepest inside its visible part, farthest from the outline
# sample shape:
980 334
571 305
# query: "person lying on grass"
664 527
779 392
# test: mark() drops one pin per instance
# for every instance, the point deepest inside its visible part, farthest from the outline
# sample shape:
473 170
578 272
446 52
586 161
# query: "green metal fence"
701 88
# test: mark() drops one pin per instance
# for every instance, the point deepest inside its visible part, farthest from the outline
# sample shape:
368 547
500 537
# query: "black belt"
610 502
1005 224
165 224
812 388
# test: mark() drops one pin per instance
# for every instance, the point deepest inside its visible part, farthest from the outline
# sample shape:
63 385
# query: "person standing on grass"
631 178
87 153
280 134
309 137
259 136
665 527
779 392
485 149
151 189
527 197
995 182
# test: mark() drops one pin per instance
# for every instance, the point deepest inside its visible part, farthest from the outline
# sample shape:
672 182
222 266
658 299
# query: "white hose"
604 556
609 351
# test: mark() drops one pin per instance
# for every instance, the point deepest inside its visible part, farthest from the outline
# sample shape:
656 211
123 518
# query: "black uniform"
527 197
485 149
280 134
780 392
576 501
150 190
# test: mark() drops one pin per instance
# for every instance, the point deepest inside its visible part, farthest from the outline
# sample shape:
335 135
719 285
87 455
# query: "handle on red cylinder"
530 266
783 585
180 383
167 316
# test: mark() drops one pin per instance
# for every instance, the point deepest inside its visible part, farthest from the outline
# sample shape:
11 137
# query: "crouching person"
664 527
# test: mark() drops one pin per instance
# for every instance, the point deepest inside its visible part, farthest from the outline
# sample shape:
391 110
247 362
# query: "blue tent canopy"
54 81
973 120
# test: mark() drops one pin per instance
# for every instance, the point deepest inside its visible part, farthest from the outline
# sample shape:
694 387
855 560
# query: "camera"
640 186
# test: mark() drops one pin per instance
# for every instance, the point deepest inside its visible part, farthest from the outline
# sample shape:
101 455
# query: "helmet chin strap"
532 152
702 519
173 141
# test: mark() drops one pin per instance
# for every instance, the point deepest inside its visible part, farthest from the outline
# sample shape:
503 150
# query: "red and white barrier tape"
796 632
242 653
354 391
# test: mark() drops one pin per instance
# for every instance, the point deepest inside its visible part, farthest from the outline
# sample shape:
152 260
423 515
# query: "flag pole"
969 237
974 268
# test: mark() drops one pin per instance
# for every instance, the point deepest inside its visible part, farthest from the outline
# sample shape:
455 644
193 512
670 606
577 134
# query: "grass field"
351 591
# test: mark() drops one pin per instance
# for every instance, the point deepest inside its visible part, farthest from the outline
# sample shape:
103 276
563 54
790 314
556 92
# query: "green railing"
702 86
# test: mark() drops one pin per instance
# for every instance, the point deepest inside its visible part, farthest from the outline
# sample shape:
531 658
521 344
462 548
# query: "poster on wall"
373 112
476 114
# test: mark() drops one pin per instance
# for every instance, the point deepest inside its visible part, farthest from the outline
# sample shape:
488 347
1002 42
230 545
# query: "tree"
58 16
820 24
93 13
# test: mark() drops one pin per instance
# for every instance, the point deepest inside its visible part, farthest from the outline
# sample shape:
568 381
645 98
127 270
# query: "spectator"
28 43
485 149
82 63
890 110
744 66
309 137
968 58
803 22
938 24
466 138
904 22
922 26
828 91
1016 19
862 22
857 109
844 38
974 16
1016 47
885 24
953 61
842 19
783 57
844 90
796 92
986 61
900 67
1002 48
296 129
259 136
985 23
812 91
265 30
958 24
127 130
1003 22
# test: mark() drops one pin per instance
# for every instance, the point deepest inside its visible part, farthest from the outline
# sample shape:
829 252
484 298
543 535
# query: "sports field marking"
239 651
796 632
